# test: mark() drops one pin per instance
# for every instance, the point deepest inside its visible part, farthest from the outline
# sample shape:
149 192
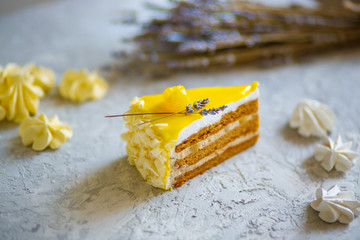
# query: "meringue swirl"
312 118
80 86
335 154
19 96
42 132
334 205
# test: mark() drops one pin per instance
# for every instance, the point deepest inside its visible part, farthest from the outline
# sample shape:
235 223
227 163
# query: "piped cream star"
335 154
312 118
80 86
334 205
21 89
42 132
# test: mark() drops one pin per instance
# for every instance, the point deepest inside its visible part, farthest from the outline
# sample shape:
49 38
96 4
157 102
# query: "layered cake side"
169 149
236 131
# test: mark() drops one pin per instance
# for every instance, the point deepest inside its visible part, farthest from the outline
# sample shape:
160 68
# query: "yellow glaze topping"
19 95
218 96
149 145
80 86
175 98
42 132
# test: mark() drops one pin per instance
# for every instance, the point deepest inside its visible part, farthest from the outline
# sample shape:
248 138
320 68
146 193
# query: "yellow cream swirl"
19 96
80 86
42 132
43 77
2 113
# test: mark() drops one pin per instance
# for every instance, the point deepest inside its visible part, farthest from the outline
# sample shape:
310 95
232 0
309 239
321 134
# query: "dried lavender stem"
140 114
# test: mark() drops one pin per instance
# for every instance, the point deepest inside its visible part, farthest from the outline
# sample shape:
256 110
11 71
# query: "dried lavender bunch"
202 34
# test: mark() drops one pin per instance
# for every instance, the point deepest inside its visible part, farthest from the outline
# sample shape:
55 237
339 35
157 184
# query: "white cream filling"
177 172
201 144
195 126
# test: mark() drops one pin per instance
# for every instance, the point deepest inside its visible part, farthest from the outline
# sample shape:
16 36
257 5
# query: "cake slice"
169 149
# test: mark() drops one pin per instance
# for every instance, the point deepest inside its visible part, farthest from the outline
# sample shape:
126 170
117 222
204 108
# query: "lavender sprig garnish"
189 109
212 111
201 103
197 105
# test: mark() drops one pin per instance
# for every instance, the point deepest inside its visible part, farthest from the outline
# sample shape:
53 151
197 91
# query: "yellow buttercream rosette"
21 89
80 86
2 113
43 77
19 97
42 132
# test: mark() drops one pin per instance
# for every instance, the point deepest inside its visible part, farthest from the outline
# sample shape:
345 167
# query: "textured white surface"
87 190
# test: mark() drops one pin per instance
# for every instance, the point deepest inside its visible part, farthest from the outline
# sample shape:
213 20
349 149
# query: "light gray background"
87 190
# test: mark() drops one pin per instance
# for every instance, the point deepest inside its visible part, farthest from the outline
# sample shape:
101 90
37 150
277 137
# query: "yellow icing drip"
167 170
218 96
42 132
149 145
80 86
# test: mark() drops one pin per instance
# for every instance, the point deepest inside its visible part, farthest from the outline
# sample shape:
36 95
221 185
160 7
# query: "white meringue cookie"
334 205
335 154
312 118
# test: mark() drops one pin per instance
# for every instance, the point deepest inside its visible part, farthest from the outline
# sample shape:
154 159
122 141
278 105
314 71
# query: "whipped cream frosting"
334 205
19 95
80 86
146 151
42 132
335 154
312 118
